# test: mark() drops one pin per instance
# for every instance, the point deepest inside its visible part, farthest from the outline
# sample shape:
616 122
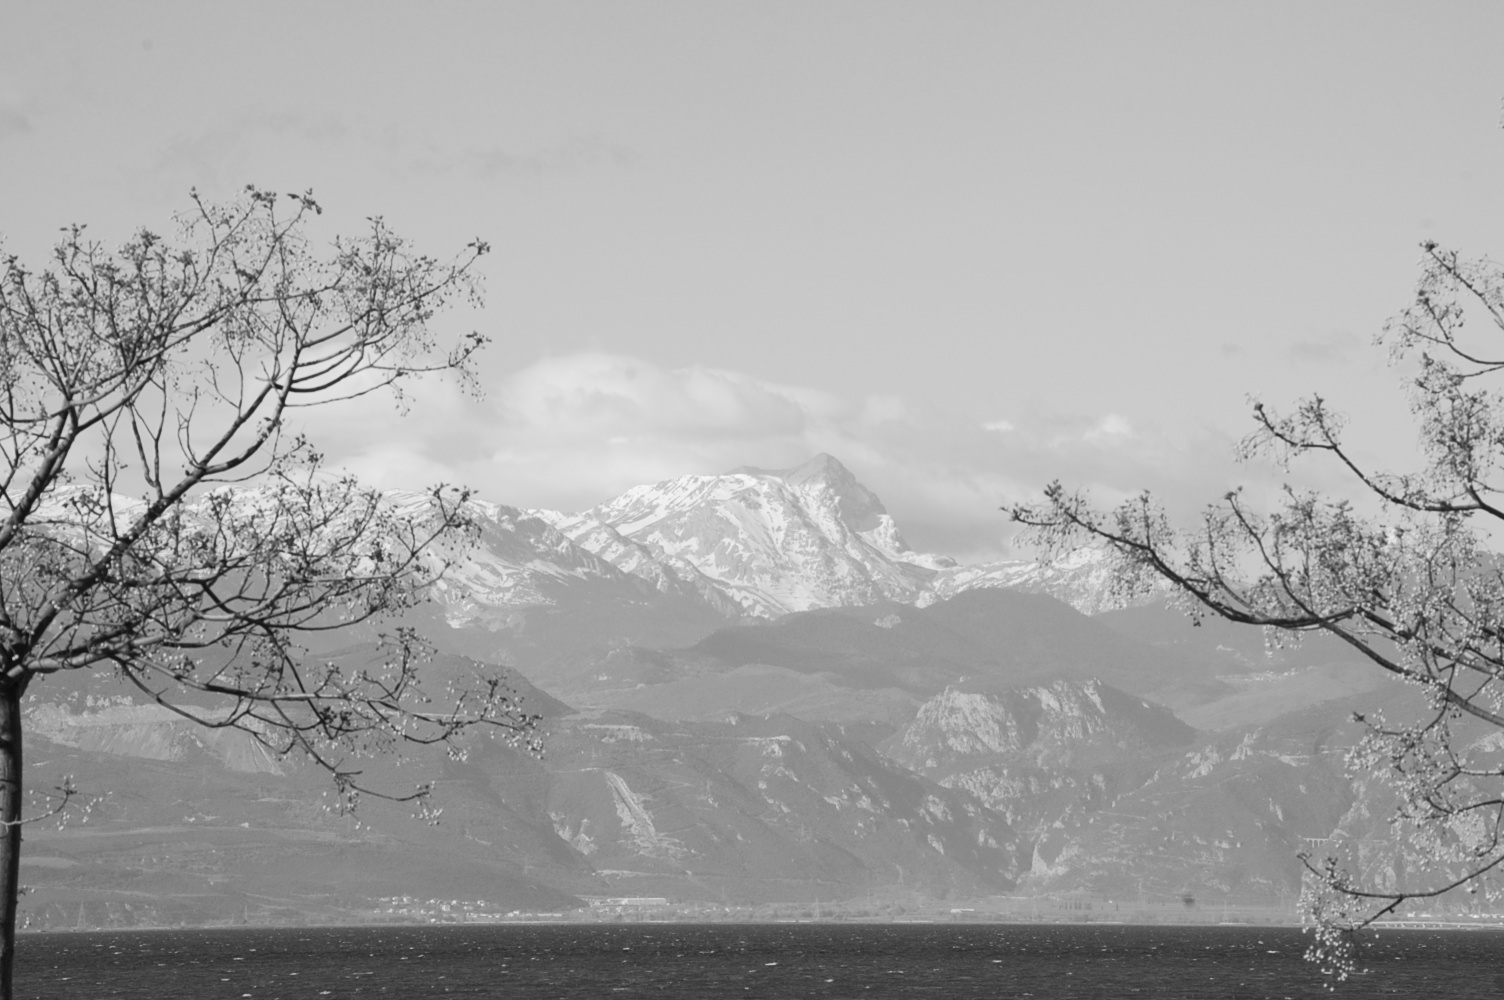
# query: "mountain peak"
859 506
822 466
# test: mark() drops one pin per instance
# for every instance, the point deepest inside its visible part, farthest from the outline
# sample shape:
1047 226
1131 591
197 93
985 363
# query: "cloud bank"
570 431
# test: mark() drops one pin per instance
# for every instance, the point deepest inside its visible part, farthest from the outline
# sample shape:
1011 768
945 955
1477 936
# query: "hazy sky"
966 248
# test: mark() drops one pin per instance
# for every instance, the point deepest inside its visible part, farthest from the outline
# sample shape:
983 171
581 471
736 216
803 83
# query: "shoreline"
1432 926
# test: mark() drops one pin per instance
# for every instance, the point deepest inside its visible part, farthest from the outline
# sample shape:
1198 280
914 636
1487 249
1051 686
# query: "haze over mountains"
755 692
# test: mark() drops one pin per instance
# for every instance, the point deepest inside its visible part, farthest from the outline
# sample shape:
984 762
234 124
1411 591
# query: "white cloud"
570 431
1111 429
584 396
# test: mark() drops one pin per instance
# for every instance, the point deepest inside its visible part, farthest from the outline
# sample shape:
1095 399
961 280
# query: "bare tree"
160 519
1406 577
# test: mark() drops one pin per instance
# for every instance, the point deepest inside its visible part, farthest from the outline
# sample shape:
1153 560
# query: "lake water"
724 961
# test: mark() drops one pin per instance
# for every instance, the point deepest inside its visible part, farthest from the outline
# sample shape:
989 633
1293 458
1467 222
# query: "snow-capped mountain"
773 541
1083 579
749 543
521 560
667 574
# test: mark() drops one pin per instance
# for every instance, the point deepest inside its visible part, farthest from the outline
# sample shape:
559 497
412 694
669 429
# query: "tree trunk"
10 833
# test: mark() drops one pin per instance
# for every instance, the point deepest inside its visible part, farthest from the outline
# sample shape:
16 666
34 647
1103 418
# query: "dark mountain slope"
892 654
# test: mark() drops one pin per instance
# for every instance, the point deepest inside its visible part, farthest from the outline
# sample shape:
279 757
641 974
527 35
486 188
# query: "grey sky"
964 247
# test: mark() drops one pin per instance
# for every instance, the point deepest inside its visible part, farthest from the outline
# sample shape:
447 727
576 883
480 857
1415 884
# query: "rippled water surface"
720 961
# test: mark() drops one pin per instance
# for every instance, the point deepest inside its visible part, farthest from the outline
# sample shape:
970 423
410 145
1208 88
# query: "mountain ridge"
747 544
